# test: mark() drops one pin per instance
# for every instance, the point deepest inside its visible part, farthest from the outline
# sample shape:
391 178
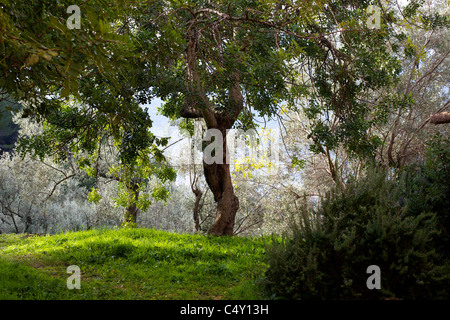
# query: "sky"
162 128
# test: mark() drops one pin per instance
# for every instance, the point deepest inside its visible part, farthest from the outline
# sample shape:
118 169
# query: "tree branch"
440 118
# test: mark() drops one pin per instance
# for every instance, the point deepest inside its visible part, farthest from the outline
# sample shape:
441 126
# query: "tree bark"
218 178
217 175
198 197
440 118
132 210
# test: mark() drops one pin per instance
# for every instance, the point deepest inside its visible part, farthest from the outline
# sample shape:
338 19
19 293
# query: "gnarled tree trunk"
218 178
217 175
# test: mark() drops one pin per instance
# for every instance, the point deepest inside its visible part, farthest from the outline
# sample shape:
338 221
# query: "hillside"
131 264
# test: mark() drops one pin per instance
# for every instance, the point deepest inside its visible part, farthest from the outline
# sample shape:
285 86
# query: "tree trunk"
198 197
131 214
198 105
218 178
132 210
227 204
226 210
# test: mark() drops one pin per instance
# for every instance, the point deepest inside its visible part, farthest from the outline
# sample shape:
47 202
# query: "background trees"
81 84
422 88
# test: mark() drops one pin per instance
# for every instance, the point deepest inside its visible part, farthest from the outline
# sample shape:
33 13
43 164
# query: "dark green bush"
328 251
426 186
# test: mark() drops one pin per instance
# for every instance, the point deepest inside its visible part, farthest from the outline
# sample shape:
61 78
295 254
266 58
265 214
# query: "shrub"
328 250
427 188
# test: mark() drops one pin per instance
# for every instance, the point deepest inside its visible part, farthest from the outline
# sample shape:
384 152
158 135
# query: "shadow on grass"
22 282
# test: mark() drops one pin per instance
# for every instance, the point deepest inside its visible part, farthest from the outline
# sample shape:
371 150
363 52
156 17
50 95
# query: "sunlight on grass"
139 264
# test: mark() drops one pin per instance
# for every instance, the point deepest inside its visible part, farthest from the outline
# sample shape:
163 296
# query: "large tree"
226 62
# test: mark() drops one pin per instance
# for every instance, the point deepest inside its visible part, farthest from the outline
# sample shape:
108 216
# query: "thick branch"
192 105
439 118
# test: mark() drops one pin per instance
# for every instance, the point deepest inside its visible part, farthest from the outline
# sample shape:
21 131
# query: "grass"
131 264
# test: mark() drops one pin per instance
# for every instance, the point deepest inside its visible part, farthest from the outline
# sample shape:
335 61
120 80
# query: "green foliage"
94 196
335 105
43 55
426 188
297 163
127 224
273 60
83 85
327 253
228 49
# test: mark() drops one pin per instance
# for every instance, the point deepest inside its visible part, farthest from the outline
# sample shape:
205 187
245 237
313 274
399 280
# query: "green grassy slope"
131 264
